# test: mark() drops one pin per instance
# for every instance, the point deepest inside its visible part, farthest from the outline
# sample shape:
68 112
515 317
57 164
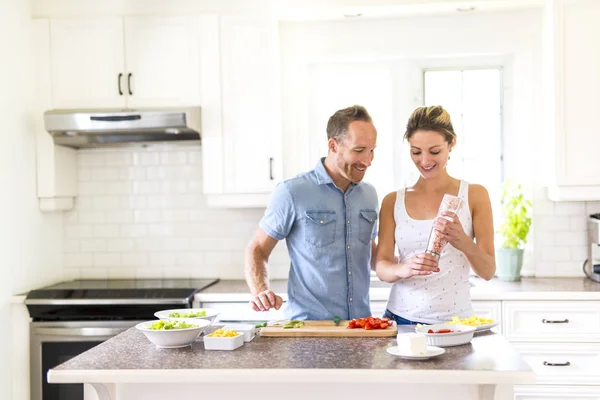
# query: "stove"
84 300
72 317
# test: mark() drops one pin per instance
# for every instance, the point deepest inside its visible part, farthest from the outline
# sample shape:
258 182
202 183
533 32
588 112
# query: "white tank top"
439 296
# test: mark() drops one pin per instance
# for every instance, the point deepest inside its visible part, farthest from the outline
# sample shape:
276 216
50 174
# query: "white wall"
558 238
140 213
30 242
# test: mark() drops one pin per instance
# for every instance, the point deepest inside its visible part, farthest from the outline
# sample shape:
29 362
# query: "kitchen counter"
131 362
526 289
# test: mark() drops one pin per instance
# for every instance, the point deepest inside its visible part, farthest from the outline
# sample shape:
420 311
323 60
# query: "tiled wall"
559 234
141 213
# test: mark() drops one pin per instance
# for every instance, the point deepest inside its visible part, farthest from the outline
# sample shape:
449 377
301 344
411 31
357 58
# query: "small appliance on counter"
591 266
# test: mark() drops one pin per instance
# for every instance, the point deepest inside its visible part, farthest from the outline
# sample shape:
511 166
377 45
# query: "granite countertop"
489 358
526 289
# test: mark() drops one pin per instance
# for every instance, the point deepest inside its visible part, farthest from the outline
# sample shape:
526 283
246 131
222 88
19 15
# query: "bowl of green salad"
186 313
171 334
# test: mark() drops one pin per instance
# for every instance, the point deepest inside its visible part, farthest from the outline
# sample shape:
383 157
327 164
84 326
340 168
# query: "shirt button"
348 221
350 273
321 221
348 246
350 298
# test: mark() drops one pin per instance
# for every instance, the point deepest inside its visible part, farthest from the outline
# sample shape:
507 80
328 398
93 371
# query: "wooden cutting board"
327 328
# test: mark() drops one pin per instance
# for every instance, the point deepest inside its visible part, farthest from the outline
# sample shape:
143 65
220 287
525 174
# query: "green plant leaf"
516 216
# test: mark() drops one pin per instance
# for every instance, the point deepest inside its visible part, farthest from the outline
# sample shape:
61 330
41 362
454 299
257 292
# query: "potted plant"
516 221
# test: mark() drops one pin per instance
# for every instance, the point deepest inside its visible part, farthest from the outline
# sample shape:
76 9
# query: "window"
473 97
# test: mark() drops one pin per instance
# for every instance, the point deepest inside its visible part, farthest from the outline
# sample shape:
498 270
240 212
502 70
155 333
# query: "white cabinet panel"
87 62
527 392
489 309
565 363
112 62
552 321
248 75
573 95
162 61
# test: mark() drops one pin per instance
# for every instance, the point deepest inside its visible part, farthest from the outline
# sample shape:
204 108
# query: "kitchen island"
128 366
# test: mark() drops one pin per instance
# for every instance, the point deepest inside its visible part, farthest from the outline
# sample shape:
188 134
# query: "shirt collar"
323 177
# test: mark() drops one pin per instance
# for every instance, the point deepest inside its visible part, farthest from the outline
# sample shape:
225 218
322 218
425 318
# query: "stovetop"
112 299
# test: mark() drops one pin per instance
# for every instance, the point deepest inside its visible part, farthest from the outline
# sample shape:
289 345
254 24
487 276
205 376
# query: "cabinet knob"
271 177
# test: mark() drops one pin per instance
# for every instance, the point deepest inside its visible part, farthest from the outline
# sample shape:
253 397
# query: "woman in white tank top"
426 290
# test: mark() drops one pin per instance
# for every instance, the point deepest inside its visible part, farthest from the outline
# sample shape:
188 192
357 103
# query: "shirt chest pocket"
366 224
319 229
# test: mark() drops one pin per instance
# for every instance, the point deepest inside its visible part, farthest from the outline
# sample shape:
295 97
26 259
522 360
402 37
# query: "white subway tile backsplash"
107 260
106 231
569 208
140 213
91 217
92 245
119 245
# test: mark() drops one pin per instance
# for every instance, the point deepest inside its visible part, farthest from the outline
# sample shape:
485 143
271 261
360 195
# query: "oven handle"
79 331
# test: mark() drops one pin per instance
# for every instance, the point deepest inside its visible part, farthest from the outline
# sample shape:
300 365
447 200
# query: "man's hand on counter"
265 300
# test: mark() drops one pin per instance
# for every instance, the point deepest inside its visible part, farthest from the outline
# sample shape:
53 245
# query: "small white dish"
223 343
432 351
173 338
247 330
210 315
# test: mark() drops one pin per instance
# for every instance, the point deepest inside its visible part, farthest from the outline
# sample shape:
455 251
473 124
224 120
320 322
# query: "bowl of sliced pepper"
443 335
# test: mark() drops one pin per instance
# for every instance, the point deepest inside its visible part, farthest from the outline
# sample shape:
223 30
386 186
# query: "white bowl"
462 334
223 343
211 313
173 338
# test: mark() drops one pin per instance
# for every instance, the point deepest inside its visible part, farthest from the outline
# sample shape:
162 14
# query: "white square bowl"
173 338
461 334
223 343
247 330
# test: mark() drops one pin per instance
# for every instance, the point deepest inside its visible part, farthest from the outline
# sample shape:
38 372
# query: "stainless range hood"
95 128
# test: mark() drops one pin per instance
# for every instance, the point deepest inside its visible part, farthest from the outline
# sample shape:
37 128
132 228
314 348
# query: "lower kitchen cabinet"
560 340
547 392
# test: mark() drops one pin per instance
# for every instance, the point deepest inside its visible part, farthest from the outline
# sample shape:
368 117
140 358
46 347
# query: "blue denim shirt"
328 234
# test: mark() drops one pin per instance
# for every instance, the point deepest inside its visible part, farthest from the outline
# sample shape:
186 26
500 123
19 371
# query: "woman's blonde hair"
431 118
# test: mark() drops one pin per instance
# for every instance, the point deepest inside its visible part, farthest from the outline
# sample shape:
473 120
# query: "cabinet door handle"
271 177
129 83
553 321
119 83
549 364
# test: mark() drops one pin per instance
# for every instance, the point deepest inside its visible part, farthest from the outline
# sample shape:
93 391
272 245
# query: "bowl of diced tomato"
370 323
443 335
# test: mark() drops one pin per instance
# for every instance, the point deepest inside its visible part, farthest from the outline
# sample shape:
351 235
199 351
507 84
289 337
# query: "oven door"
53 343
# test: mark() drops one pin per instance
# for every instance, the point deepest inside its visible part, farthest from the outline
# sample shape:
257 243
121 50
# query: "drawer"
551 321
562 363
541 392
243 312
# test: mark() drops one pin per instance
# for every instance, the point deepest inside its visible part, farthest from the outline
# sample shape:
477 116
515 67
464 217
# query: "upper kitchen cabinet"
572 62
116 62
241 123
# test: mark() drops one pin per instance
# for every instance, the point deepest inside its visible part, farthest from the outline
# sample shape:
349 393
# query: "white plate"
485 327
211 313
432 351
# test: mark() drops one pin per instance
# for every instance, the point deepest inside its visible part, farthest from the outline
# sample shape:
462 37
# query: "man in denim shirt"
328 217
